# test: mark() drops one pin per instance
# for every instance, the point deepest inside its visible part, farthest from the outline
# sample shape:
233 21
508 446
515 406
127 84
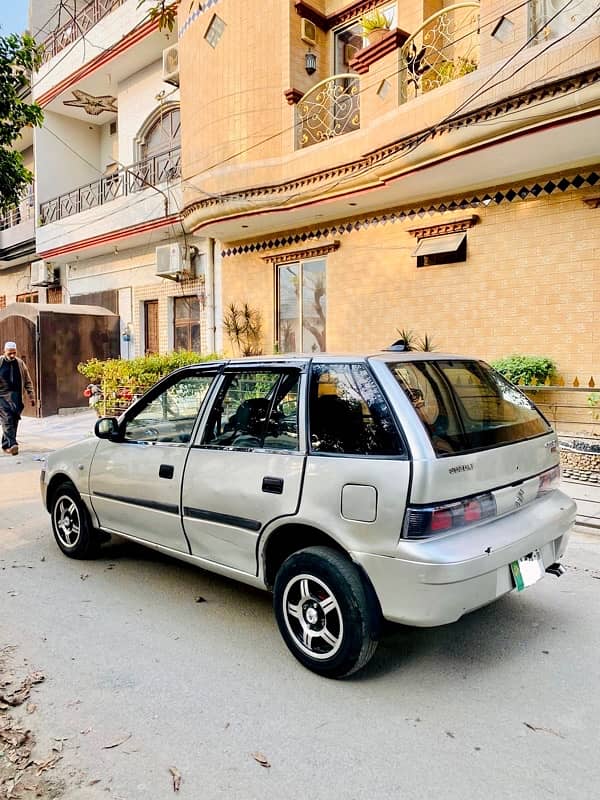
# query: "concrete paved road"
503 703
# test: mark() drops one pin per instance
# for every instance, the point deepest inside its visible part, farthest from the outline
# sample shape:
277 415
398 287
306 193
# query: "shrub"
123 381
526 370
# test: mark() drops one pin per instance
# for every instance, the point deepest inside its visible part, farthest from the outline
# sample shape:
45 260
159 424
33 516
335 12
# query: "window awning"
432 245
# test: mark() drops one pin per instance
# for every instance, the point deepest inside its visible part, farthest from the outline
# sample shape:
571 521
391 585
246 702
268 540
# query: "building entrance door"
151 326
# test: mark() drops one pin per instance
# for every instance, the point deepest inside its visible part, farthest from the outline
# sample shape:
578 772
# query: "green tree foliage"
165 11
526 370
19 57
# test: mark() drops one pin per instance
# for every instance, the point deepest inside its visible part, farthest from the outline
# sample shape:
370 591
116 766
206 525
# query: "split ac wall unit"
172 262
43 273
170 65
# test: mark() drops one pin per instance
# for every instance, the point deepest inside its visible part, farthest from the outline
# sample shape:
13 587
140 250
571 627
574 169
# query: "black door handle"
272 485
166 471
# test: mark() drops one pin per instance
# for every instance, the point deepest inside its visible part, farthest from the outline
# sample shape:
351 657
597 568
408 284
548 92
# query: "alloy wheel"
67 521
313 616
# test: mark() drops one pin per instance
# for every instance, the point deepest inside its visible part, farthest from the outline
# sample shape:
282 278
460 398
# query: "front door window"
302 306
169 417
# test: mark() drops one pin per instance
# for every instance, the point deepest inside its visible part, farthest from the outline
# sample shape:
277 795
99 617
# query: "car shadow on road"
495 633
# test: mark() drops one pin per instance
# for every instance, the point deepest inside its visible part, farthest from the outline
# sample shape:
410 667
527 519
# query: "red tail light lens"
423 521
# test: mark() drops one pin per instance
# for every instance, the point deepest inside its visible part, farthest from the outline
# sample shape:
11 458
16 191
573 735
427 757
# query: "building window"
450 248
302 306
163 133
214 31
2 301
27 297
548 21
186 319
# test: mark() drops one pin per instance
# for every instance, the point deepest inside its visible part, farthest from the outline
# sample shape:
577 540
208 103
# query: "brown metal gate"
23 332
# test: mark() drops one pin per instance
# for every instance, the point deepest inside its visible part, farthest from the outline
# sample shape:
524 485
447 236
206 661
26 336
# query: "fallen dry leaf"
176 778
116 744
31 707
94 781
537 728
262 760
84 575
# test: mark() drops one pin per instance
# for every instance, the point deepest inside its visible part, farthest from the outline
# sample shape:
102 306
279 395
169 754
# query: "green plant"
414 342
374 21
525 370
593 401
244 329
447 71
122 381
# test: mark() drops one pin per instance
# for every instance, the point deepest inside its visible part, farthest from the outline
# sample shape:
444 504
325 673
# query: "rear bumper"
434 582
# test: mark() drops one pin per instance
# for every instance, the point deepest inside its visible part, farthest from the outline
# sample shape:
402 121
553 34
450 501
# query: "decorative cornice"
293 96
371 160
393 40
592 202
453 226
543 187
328 21
308 251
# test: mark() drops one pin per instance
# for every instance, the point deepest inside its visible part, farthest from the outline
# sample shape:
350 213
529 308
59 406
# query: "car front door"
135 482
246 467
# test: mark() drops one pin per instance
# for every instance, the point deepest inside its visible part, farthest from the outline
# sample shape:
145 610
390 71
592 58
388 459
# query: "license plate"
527 570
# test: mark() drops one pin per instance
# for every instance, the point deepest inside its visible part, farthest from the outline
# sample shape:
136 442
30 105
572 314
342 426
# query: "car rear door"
135 482
247 464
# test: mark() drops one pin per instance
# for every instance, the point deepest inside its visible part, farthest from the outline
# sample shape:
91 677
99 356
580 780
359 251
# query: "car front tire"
328 617
71 524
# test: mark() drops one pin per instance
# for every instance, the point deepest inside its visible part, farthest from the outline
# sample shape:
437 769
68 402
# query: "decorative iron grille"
23 211
128 180
443 48
79 24
329 109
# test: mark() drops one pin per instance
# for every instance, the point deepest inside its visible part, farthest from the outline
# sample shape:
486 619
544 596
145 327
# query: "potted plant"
375 25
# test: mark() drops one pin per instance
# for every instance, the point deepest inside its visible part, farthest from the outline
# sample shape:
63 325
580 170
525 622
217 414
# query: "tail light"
549 480
423 521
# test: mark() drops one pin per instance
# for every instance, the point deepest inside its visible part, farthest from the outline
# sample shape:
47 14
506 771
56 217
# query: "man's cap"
9 345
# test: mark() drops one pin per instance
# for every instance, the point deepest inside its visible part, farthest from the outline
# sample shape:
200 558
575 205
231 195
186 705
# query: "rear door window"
466 405
349 414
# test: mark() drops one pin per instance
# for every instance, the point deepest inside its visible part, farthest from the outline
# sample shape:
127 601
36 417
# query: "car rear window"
466 405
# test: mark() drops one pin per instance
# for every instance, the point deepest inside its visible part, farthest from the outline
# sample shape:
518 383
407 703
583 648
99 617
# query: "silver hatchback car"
411 487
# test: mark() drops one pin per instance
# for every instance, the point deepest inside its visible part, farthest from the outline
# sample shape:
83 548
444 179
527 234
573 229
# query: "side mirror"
107 428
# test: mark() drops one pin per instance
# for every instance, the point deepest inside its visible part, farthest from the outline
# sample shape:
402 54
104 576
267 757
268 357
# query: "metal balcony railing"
79 24
443 48
128 180
329 109
22 212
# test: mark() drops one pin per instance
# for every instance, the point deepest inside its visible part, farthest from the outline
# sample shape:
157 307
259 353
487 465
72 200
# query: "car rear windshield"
466 405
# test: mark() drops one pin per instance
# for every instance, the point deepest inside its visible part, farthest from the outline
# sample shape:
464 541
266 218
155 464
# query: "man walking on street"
15 389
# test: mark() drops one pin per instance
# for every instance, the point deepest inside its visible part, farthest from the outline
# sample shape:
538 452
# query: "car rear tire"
328 617
71 524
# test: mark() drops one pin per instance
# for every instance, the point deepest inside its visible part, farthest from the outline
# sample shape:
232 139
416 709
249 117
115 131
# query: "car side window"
170 416
349 414
255 410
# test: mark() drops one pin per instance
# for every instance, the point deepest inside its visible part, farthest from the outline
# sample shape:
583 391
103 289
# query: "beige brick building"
444 180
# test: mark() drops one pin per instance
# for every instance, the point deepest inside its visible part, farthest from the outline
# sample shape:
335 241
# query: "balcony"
124 182
329 109
81 22
17 228
445 47
22 212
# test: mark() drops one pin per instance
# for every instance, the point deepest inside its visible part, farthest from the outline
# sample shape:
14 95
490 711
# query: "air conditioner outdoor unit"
308 31
172 262
43 273
170 71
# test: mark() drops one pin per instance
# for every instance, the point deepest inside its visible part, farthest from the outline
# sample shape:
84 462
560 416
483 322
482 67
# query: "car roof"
282 359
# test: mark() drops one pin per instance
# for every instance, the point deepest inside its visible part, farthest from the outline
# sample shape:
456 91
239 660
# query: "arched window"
161 133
